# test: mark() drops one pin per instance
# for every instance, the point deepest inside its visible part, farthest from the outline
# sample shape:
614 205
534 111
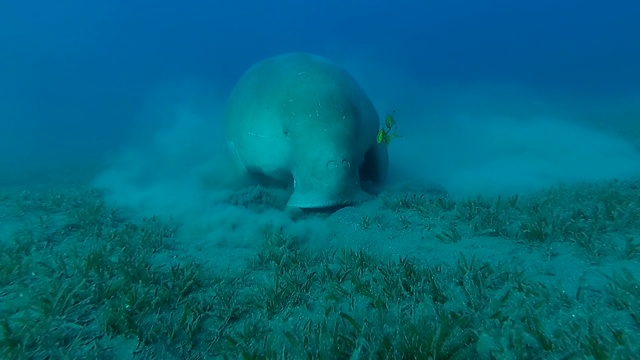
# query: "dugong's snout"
334 182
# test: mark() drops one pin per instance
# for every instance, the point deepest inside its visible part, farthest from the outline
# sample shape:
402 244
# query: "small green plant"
366 222
486 218
404 221
445 203
537 227
279 249
632 247
450 234
416 202
624 289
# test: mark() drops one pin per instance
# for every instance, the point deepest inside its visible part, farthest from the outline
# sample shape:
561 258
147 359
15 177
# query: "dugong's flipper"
375 166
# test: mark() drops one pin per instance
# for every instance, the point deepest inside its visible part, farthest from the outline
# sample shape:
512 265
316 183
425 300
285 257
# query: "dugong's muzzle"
323 184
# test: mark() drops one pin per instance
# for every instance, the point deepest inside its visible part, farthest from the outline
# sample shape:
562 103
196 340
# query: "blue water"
73 73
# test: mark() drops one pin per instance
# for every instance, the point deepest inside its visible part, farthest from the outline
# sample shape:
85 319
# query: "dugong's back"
299 118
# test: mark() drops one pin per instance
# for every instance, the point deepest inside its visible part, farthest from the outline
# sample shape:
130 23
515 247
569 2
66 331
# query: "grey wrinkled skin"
299 119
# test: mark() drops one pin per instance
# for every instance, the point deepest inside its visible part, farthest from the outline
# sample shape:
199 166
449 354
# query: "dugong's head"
298 117
326 151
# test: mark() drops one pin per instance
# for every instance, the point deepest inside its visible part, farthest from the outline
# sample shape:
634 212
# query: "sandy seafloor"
399 223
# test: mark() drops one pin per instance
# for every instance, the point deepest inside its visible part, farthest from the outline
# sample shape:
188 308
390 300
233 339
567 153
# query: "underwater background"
509 229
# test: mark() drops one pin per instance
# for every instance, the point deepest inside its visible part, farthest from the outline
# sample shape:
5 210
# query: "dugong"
301 120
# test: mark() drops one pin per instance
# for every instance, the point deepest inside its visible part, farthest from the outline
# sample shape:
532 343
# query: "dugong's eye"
285 132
